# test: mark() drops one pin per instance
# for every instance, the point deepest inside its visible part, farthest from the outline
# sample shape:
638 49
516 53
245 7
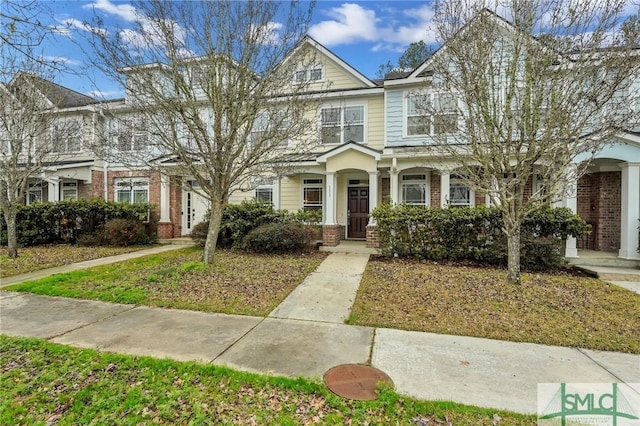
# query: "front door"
193 211
358 213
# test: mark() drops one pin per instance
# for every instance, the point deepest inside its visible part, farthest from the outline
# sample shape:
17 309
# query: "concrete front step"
609 261
182 241
613 274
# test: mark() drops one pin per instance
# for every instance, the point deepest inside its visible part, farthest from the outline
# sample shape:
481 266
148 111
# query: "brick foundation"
373 237
332 234
165 230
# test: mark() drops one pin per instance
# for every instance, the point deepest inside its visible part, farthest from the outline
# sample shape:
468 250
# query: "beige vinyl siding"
290 193
338 77
375 123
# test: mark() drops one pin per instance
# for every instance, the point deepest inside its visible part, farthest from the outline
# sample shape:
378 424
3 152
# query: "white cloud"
268 34
123 11
151 33
61 60
83 26
352 23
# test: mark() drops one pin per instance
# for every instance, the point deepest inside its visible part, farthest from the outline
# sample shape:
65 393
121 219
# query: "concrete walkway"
305 336
87 264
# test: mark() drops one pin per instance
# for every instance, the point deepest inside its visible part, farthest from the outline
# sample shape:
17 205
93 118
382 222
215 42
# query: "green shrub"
64 221
239 219
278 238
199 233
465 233
124 232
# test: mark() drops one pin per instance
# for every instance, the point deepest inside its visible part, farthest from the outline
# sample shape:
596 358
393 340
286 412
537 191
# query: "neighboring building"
372 148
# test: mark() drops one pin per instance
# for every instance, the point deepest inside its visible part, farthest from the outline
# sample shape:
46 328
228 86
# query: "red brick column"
165 230
373 237
331 235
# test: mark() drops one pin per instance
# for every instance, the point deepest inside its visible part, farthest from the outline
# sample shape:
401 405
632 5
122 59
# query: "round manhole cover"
355 381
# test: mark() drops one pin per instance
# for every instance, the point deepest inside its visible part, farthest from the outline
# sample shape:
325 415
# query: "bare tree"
30 133
510 100
225 87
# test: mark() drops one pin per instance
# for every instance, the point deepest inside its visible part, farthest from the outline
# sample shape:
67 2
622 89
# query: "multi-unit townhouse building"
368 151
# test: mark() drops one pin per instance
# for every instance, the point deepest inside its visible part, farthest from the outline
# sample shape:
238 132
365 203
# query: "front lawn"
238 283
44 383
32 259
549 309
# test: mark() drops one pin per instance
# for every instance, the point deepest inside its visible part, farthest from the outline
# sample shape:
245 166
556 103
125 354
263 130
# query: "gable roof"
60 96
309 41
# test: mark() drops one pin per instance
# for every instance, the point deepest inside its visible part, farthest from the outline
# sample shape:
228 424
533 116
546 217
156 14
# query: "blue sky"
363 33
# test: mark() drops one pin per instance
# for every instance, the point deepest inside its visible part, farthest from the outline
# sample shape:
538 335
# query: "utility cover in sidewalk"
355 381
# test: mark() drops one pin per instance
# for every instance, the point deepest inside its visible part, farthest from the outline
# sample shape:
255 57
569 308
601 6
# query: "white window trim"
313 185
365 123
68 185
34 187
472 193
406 98
307 74
260 188
135 183
78 133
135 128
426 182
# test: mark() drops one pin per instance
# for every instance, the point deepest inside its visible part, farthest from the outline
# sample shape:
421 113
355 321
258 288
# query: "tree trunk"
215 220
513 256
12 232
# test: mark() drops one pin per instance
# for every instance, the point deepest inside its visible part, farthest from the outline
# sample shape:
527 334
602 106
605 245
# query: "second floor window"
342 124
65 136
131 136
431 114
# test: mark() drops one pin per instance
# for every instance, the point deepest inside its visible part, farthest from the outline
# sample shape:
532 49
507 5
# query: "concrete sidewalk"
305 336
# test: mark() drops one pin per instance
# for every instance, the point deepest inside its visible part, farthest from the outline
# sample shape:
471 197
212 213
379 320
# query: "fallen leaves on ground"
554 309
45 383
48 256
237 283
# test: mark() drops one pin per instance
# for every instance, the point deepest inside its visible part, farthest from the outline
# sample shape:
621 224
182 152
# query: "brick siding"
599 203
435 190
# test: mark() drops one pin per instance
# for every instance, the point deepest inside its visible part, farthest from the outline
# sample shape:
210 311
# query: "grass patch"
558 309
44 383
237 283
32 259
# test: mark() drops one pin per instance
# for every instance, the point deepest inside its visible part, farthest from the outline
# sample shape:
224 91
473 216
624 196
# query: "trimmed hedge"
278 238
474 233
65 221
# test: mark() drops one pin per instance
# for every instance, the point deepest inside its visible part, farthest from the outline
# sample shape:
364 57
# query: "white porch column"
373 194
570 200
445 178
393 182
330 211
630 211
275 195
165 197
53 189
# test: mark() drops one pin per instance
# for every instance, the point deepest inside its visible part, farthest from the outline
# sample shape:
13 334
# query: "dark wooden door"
358 212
